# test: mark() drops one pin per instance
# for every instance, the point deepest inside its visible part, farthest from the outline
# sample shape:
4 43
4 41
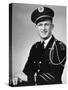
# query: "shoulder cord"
51 57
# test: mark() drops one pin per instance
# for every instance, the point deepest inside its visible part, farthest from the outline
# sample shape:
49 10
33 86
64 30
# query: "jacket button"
40 62
34 62
38 70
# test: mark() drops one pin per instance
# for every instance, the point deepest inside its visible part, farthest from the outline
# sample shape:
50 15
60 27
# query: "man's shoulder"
36 44
61 45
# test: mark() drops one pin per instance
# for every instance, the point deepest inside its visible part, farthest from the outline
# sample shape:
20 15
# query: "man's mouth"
44 32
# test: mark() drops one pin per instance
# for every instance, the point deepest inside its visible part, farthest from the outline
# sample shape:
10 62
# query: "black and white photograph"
37 44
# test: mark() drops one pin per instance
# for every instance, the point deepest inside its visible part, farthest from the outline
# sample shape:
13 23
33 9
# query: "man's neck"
46 41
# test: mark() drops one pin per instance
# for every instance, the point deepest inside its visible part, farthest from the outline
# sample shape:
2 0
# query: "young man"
47 58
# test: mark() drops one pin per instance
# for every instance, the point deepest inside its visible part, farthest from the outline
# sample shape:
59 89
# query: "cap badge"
40 9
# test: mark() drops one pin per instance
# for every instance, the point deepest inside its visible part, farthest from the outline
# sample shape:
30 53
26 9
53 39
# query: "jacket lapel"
50 43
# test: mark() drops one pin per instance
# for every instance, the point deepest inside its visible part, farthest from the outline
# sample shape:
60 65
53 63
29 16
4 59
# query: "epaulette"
36 44
61 45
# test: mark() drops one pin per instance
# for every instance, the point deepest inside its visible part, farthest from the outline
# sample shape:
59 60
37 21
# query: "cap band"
42 17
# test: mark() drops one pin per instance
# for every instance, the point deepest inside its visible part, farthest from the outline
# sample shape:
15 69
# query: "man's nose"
44 27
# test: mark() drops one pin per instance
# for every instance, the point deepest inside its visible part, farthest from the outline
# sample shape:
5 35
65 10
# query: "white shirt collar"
46 41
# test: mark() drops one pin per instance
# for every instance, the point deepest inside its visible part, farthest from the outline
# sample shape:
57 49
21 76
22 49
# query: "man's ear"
52 26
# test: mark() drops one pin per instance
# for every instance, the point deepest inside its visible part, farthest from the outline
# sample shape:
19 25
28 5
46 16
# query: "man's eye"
39 24
47 24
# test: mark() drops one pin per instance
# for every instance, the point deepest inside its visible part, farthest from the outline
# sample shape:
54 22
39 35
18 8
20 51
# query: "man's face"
45 29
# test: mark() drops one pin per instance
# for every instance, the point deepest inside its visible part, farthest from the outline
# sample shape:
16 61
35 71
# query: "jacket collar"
50 43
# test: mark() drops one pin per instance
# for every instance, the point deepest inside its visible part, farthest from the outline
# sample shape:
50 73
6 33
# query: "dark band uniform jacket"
45 65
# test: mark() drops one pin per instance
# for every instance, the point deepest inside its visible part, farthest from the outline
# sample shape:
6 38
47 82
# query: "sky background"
24 34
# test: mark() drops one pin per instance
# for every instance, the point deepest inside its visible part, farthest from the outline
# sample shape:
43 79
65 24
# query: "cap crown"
42 12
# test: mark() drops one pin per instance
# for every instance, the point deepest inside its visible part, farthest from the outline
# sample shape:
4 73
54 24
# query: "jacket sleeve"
28 69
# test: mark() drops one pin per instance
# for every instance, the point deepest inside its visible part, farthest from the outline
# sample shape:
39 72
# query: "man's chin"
44 37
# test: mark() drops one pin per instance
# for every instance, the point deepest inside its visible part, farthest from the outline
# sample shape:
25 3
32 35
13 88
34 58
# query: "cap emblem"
40 9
